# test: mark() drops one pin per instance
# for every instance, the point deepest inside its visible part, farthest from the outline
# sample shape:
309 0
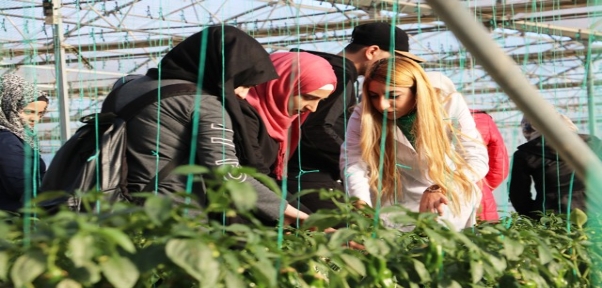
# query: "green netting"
556 43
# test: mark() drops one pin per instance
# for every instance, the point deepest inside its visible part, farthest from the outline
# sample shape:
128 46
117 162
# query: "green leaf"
424 274
512 249
449 283
150 257
499 264
376 247
467 242
81 247
545 255
4 258
233 281
238 228
340 237
264 271
354 264
195 258
68 283
323 251
158 209
476 271
120 271
190 169
119 238
242 195
335 280
27 268
87 274
532 277
578 217
435 236
321 221
267 181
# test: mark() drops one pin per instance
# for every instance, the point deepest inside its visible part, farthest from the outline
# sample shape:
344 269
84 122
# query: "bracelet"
433 189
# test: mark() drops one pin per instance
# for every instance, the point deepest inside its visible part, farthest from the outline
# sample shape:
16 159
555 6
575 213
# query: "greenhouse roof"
555 42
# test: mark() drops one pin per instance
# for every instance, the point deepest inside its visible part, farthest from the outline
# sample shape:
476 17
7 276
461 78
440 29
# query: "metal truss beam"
542 87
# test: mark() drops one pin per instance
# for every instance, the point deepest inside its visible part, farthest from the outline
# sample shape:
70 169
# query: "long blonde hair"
432 140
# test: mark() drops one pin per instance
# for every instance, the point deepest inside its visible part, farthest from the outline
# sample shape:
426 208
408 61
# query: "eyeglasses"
30 112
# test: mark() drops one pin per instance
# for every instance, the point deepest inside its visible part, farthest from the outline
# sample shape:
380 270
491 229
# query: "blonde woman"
433 157
499 161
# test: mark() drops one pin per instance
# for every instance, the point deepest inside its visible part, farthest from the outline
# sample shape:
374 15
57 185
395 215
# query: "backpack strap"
133 107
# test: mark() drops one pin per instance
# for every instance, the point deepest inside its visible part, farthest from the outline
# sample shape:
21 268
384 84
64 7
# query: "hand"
359 204
432 202
291 215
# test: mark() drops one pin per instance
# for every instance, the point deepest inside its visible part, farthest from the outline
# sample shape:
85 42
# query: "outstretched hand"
433 202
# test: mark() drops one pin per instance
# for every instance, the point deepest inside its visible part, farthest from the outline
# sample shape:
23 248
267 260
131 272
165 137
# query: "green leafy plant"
170 242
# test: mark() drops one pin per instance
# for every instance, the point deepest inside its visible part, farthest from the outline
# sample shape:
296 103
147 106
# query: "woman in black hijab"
232 60
21 167
224 62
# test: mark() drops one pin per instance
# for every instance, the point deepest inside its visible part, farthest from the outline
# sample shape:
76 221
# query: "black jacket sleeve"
18 170
12 165
323 131
216 148
520 185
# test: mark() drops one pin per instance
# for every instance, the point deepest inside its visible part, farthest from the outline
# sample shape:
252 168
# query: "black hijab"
231 59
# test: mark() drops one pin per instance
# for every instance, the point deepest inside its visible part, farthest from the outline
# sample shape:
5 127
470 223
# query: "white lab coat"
414 174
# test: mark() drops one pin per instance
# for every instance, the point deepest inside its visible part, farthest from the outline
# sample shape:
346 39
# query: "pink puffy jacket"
498 163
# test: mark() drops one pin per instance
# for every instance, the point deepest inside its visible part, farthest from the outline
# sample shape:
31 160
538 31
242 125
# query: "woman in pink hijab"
305 79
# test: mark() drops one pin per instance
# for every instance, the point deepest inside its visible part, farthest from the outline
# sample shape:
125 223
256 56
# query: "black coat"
323 131
555 181
17 166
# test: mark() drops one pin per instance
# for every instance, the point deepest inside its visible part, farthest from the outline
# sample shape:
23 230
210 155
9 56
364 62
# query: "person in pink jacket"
498 163
496 150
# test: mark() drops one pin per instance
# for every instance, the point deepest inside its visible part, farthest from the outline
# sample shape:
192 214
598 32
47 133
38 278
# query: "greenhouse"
170 212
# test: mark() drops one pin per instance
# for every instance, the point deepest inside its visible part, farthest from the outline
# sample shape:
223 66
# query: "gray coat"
164 129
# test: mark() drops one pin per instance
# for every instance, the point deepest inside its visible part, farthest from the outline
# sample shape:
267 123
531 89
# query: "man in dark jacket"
557 188
315 163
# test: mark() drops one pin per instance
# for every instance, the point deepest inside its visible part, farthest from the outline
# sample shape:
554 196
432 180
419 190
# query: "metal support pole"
508 75
60 69
589 81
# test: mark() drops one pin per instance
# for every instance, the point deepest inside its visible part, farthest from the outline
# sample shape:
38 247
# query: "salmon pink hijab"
300 73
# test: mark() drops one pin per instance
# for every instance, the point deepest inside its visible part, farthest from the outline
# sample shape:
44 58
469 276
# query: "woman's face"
33 112
307 102
400 100
242 91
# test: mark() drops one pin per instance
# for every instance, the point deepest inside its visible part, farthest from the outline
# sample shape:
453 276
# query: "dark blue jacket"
16 171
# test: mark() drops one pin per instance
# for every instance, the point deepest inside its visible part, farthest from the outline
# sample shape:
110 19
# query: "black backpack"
94 158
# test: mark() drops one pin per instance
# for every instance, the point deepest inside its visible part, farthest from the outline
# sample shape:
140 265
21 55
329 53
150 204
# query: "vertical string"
27 192
196 114
543 173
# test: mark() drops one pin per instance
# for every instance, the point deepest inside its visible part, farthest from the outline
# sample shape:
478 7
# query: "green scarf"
406 123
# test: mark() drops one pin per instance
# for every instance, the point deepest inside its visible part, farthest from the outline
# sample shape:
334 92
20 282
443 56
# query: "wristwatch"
433 189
